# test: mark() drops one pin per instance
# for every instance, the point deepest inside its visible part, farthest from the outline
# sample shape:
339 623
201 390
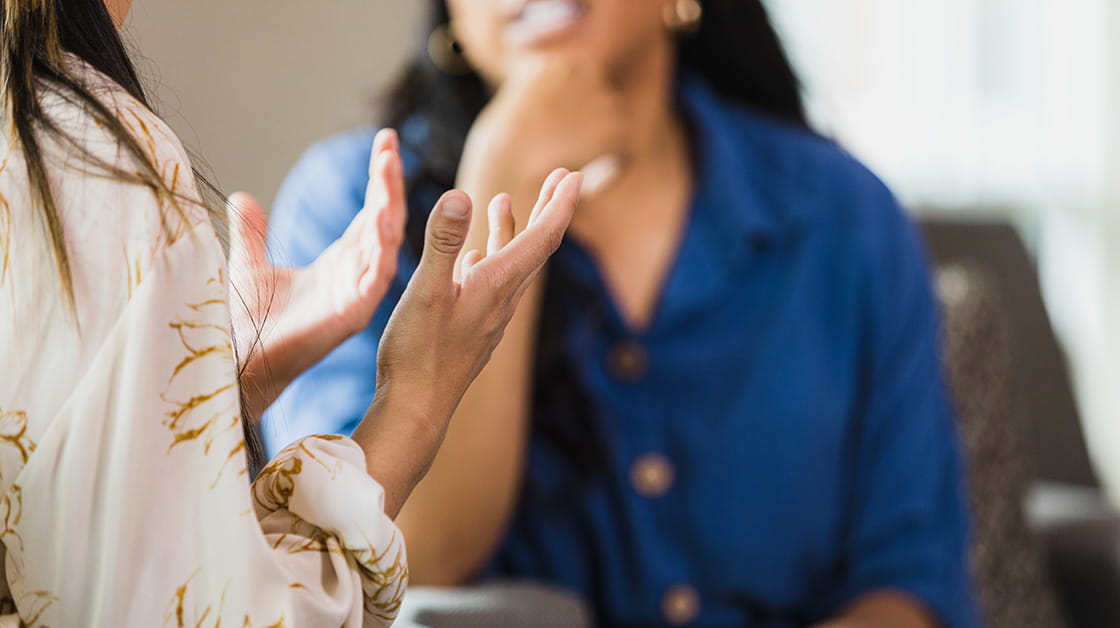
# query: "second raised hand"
287 319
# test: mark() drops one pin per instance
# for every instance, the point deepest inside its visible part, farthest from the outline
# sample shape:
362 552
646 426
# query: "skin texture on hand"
287 319
443 331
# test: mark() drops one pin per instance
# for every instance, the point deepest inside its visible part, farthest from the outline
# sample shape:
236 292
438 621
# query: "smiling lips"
540 20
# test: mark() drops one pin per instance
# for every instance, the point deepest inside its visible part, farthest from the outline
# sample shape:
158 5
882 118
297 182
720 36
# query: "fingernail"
456 207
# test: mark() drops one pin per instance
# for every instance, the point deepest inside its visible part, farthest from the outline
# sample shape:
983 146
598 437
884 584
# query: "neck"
655 130
657 145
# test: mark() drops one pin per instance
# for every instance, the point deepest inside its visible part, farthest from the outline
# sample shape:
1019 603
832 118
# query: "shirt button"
681 605
627 361
652 475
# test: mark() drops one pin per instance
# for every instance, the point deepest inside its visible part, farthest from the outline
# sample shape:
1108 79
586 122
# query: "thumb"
447 231
247 228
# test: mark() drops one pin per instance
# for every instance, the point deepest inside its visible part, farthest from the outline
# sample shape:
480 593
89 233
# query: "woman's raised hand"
443 330
287 319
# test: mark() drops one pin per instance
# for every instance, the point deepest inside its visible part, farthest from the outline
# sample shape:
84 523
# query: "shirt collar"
741 186
742 171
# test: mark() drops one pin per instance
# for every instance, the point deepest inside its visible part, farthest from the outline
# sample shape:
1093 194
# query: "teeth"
546 12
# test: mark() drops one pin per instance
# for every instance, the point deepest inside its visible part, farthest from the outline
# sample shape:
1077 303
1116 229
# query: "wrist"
414 403
399 438
261 383
271 367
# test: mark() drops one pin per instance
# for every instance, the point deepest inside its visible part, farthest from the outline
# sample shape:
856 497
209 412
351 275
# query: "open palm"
287 319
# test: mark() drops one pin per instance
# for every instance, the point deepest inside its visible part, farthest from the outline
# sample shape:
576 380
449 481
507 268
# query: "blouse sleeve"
135 508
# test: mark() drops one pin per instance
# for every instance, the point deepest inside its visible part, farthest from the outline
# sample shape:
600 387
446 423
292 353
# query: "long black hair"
35 36
736 52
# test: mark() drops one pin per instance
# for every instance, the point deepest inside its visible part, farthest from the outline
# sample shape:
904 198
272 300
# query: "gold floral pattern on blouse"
132 272
5 229
5 237
11 511
31 604
151 386
204 417
180 617
384 583
170 168
280 478
13 433
384 574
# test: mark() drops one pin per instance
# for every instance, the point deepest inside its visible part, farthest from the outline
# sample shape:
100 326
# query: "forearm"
883 609
456 515
398 436
404 428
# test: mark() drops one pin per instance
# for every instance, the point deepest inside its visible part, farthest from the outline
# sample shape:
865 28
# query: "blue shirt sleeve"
908 525
317 201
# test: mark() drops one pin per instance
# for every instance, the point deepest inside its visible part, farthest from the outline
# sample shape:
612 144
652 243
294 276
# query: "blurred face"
498 34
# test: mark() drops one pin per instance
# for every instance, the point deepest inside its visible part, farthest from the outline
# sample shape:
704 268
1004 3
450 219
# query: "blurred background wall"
991 107
250 84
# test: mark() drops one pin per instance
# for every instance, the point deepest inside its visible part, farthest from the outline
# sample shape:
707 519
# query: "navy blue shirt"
777 443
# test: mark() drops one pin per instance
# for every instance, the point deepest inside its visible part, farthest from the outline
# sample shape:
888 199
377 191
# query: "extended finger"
396 205
502 226
385 140
528 252
376 188
393 181
547 190
384 170
385 195
444 238
381 263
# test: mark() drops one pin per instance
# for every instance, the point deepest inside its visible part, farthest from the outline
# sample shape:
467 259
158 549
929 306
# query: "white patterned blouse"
124 496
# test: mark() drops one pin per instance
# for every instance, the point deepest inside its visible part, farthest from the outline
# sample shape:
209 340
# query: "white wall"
251 83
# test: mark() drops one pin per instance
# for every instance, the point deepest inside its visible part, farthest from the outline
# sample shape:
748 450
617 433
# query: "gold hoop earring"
683 16
445 52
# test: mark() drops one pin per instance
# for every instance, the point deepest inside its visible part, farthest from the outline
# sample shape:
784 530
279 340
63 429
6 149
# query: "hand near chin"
548 111
287 319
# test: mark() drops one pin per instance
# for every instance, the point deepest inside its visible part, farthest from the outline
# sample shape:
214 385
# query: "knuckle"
419 295
446 241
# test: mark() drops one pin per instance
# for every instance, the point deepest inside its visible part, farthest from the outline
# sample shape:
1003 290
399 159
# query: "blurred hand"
287 319
443 331
548 112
